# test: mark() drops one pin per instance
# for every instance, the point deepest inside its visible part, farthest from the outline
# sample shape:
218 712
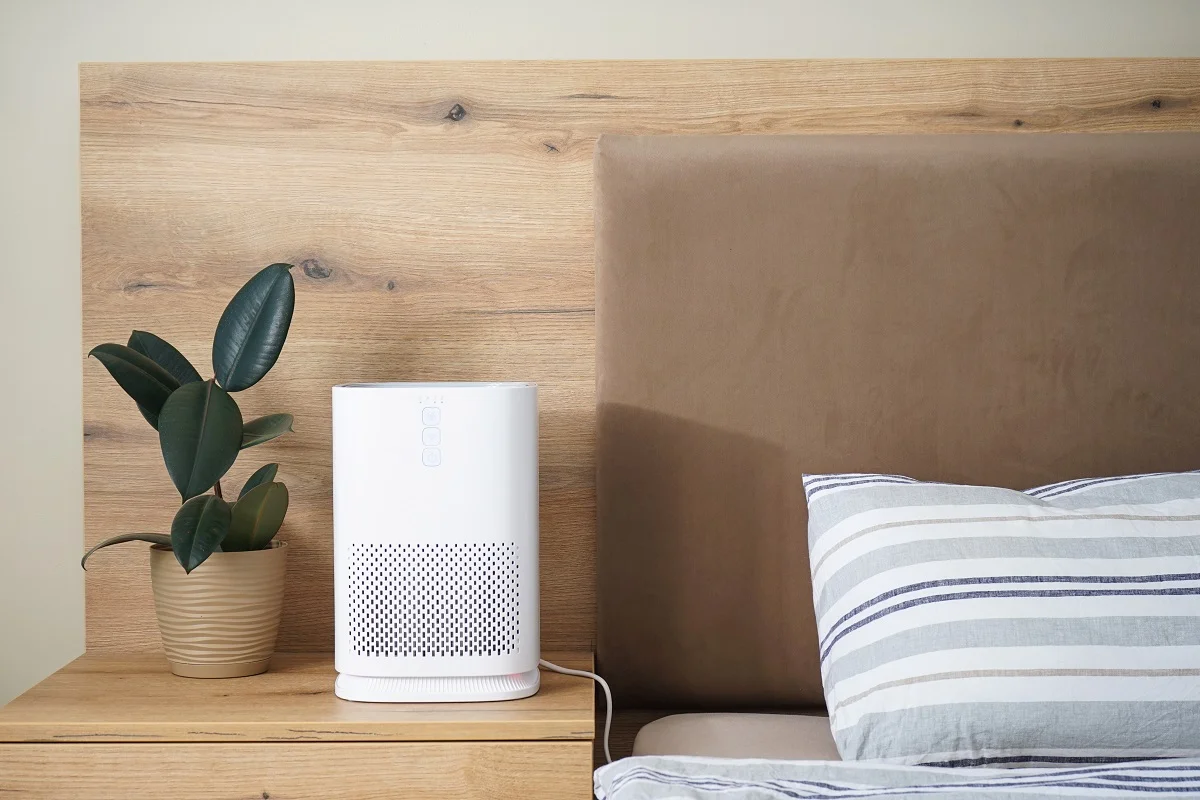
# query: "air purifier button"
431 416
431 437
431 456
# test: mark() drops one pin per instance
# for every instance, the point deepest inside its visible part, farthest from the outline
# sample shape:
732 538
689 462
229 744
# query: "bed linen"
981 626
682 778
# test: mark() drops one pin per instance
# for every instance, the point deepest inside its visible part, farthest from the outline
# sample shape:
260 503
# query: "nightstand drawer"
300 770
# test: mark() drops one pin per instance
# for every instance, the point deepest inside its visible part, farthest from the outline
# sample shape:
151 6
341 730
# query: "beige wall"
42 41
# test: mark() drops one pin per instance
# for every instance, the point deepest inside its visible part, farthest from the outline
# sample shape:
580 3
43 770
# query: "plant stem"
217 490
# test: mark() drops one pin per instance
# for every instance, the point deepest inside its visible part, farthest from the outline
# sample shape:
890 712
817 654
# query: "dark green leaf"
264 429
253 328
264 474
198 529
257 517
146 415
200 432
165 355
153 538
139 375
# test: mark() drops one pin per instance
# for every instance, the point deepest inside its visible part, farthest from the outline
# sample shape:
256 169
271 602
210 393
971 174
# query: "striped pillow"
967 625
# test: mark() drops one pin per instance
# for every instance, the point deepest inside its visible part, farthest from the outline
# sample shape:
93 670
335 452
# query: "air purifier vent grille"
431 600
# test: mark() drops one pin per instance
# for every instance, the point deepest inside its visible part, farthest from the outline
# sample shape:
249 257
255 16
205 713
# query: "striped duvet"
659 778
966 626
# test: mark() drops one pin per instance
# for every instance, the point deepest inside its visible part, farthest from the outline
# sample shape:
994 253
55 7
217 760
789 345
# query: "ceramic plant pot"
221 620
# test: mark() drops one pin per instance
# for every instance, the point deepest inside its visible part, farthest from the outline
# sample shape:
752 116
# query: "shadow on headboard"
713 503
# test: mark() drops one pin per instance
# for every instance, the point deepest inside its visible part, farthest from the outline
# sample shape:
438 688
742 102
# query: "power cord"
580 673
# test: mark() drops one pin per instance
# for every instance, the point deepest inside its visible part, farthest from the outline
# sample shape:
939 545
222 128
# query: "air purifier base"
477 689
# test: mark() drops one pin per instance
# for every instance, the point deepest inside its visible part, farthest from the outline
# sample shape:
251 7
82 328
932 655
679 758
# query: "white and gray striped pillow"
968 625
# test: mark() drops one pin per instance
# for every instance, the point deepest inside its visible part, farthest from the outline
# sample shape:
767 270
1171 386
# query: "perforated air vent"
434 599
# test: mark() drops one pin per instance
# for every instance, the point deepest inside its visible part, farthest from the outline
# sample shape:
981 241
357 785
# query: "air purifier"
435 536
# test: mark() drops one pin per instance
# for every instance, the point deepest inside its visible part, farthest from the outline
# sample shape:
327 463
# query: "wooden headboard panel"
441 217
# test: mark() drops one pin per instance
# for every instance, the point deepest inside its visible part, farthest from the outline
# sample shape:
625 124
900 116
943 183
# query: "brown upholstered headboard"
1000 309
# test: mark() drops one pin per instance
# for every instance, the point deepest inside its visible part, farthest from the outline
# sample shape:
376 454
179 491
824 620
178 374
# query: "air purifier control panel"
431 436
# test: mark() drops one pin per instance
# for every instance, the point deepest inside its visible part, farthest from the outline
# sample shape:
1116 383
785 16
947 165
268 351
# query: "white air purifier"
435 536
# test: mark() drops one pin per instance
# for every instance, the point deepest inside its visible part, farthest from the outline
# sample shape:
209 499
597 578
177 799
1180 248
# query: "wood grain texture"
441 218
135 698
299 771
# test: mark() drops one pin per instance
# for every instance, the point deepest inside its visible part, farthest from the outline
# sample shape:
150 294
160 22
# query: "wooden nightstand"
124 727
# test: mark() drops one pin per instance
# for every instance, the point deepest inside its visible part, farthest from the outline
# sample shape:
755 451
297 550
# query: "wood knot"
456 114
391 286
1018 123
1156 103
266 795
315 269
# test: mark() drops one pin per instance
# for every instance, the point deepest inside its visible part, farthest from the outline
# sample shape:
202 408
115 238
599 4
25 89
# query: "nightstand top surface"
135 698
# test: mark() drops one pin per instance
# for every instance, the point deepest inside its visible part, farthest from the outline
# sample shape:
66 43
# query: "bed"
684 778
1002 310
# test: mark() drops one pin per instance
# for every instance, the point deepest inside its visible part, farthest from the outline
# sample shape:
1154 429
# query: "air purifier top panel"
439 385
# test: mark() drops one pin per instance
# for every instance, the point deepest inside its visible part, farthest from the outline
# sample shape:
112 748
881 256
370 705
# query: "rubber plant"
200 427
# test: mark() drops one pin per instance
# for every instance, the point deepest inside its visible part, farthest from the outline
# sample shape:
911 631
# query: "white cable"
580 673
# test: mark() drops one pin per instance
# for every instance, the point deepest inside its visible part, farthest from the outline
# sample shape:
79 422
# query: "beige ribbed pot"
221 620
